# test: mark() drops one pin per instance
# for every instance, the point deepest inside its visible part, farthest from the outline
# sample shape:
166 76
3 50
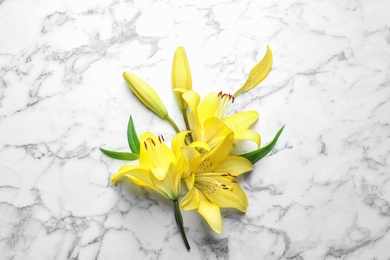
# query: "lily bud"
181 75
145 94
258 73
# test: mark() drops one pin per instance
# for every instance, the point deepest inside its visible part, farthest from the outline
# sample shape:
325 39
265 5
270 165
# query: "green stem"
179 222
170 120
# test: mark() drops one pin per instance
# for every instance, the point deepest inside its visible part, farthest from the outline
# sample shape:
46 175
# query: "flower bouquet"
201 156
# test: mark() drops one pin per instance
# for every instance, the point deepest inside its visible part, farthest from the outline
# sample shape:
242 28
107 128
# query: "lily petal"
223 192
136 174
258 73
178 142
155 155
248 135
241 121
191 200
192 156
210 213
220 139
193 99
170 185
208 106
235 165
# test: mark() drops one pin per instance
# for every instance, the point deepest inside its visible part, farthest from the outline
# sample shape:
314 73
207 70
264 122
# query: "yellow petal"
248 135
258 73
200 145
220 139
178 142
235 165
189 181
211 213
155 155
145 94
193 99
181 75
208 107
191 200
241 121
137 175
223 192
169 187
192 156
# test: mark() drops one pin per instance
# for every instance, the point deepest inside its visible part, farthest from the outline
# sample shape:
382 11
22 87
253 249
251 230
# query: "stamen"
226 100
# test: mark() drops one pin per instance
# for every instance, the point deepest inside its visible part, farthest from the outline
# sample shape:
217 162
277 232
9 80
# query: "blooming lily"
215 105
160 170
211 180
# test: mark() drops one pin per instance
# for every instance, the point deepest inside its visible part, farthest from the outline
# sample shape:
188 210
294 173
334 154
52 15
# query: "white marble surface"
324 193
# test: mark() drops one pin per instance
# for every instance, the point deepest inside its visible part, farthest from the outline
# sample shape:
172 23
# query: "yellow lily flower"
148 97
159 170
145 94
211 181
181 75
258 73
215 105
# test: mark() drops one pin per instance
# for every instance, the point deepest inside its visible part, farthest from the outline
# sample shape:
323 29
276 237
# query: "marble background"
323 193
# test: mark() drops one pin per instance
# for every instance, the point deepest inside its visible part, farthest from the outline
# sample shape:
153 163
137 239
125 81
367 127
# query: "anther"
224 174
162 138
152 141
220 94
159 139
146 146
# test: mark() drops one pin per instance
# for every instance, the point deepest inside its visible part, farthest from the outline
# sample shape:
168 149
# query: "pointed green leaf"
120 155
257 155
132 137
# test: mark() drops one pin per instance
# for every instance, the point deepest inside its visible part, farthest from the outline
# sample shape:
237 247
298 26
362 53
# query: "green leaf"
120 155
132 137
257 155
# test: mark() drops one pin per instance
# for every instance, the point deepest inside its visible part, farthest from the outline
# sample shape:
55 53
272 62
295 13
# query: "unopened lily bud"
181 75
258 73
145 94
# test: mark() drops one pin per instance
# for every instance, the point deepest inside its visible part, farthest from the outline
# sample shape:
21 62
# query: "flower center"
154 149
224 103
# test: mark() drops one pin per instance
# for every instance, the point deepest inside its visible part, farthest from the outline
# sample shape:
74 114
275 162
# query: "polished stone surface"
323 193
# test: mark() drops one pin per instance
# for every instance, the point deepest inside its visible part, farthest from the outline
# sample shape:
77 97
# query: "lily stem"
170 120
184 113
179 222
